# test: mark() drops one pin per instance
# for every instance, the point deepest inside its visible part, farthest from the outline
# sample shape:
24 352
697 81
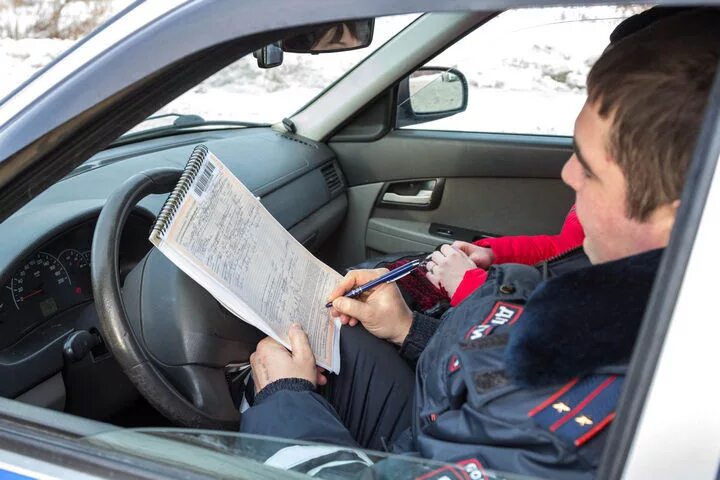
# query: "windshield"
235 455
243 92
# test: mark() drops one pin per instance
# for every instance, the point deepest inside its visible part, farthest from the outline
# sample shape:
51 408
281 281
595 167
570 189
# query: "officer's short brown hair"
654 85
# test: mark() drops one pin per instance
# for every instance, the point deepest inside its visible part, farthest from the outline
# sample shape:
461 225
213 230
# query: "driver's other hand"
447 268
382 311
271 361
482 257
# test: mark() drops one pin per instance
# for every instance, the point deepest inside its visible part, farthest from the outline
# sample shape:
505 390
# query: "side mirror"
431 93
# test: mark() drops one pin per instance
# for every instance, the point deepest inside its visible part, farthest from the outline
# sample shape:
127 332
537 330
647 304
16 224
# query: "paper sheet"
224 239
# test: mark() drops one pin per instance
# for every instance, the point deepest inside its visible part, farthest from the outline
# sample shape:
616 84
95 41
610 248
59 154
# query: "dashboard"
55 278
46 294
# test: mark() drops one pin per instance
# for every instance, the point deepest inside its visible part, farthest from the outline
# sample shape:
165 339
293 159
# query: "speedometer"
39 284
6 305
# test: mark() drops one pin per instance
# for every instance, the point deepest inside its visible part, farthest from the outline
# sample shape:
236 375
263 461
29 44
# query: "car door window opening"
411 155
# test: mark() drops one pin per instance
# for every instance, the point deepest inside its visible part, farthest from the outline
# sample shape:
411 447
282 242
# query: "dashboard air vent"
332 179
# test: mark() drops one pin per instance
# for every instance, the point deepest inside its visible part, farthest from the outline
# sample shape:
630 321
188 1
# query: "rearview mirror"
332 37
431 93
326 38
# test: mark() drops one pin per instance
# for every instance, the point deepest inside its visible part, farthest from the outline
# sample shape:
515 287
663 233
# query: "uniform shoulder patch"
470 469
502 313
581 409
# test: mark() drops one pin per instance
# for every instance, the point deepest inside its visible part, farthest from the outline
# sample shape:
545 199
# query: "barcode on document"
202 181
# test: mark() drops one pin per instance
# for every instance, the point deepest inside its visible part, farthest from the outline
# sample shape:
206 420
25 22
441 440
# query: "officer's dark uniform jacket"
523 376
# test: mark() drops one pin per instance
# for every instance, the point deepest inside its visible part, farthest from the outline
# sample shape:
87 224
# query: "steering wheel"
173 340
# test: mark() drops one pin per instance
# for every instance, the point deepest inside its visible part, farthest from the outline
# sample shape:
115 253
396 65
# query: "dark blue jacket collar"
581 321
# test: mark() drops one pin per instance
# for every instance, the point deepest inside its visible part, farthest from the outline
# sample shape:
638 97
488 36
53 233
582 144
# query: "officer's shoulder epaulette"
580 409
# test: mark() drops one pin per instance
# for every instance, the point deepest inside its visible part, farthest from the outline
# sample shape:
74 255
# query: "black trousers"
374 390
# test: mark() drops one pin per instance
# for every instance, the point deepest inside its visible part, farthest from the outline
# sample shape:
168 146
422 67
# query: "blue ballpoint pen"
392 276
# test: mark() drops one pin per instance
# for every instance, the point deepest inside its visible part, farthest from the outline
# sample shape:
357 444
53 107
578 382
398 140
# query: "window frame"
652 366
429 63
32 438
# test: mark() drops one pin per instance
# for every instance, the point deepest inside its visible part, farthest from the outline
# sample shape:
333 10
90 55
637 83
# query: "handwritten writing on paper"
225 239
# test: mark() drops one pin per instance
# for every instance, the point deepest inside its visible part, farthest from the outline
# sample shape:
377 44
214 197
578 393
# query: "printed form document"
215 230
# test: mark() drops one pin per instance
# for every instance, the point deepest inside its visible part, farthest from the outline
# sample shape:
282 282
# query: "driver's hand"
382 311
447 268
271 361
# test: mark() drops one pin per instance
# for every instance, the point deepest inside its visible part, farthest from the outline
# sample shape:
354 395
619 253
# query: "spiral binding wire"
170 208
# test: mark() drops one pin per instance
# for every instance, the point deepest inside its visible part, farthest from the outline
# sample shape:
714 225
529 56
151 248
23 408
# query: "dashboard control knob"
79 344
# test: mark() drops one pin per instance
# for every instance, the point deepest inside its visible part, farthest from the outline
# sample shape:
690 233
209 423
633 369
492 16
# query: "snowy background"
526 69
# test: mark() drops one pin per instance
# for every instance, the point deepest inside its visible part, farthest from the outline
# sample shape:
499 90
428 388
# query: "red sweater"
522 249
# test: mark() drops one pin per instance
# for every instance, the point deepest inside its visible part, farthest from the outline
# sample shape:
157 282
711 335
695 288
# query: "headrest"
641 20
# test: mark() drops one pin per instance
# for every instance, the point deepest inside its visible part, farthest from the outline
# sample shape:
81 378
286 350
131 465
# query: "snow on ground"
526 71
19 59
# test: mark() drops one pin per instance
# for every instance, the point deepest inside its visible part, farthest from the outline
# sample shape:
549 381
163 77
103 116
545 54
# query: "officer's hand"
271 361
447 268
483 257
382 311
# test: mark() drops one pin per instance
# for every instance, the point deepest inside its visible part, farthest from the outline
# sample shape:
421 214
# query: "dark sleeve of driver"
421 331
292 410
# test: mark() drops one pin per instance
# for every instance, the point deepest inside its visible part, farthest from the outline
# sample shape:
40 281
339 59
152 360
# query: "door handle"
423 194
423 197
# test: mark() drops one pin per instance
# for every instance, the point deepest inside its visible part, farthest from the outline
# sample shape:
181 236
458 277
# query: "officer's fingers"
299 342
335 313
349 321
345 319
258 372
256 380
352 308
347 283
320 379
265 345
355 278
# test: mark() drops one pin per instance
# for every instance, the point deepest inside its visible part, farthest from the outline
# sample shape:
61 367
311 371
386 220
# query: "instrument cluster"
53 279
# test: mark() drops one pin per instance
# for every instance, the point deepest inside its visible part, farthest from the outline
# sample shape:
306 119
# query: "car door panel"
451 154
488 206
492 185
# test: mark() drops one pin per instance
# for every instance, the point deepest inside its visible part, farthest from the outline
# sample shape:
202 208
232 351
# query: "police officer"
524 375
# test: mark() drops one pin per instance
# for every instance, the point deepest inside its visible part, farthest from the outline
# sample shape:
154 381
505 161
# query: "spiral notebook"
215 230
